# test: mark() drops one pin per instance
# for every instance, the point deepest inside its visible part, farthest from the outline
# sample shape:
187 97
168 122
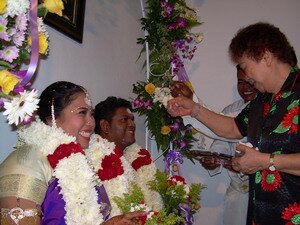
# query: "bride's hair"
57 96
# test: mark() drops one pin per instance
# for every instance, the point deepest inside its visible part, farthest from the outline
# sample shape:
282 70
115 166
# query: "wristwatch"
271 163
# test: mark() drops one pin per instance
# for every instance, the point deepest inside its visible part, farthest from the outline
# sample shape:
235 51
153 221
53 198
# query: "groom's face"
122 128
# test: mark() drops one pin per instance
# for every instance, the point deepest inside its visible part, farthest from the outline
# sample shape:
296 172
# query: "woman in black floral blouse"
270 122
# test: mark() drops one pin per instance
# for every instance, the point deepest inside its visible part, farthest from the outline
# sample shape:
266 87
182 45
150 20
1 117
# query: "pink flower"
10 53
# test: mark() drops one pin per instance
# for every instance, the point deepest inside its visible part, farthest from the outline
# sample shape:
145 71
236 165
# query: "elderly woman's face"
256 73
77 119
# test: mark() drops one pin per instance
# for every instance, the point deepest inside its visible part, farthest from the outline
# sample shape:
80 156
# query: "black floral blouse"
272 127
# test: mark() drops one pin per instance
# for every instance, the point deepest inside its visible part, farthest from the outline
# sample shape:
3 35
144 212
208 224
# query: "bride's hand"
130 218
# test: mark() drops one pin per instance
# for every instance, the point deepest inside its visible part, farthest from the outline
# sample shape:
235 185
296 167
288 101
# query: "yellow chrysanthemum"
165 130
8 81
150 88
2 6
54 6
43 43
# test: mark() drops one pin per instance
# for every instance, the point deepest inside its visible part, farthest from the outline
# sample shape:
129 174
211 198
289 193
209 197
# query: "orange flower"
150 88
165 130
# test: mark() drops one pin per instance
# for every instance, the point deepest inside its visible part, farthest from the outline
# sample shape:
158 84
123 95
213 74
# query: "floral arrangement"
180 200
178 197
23 37
117 170
168 34
134 201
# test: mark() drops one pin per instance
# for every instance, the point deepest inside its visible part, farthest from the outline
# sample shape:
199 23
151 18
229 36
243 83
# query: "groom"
115 122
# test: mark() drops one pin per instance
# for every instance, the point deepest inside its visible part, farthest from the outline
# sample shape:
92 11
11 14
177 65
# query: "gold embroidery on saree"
23 186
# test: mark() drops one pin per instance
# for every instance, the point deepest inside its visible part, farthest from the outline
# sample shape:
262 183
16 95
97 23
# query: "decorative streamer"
34 47
186 213
147 70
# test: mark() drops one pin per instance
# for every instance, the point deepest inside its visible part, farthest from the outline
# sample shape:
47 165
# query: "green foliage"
135 197
162 31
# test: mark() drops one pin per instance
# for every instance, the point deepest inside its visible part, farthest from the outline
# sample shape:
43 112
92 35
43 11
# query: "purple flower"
21 22
172 26
181 23
167 9
18 38
3 27
148 104
178 44
175 126
137 103
183 144
9 53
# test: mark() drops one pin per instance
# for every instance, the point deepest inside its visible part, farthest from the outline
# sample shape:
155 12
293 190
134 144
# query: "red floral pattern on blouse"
291 121
266 109
292 214
271 180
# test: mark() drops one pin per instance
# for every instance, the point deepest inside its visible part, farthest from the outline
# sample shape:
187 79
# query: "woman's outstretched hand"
180 106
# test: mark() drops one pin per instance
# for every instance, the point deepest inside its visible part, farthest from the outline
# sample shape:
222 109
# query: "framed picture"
72 21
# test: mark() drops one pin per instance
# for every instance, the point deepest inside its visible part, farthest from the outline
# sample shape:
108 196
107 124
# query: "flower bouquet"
23 37
168 27
180 200
134 201
165 129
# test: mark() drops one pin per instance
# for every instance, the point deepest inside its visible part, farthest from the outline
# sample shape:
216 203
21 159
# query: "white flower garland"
75 177
99 148
143 176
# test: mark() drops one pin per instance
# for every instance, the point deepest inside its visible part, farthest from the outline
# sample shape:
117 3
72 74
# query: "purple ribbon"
186 213
173 157
35 44
182 75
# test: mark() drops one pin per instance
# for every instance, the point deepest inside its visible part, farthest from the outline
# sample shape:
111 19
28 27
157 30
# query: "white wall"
106 65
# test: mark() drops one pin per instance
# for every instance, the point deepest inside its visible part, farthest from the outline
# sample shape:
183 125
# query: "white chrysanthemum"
162 95
21 107
42 27
143 175
80 197
16 7
46 138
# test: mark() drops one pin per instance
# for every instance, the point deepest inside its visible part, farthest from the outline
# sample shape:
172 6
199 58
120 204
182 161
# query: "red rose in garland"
292 214
111 167
175 180
63 151
143 160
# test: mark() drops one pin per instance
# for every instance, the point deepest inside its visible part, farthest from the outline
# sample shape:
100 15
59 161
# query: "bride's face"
77 119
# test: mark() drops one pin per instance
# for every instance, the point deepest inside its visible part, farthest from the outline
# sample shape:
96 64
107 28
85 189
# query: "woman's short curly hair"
253 40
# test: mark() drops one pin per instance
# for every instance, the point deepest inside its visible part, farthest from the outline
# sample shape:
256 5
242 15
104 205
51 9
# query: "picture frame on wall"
72 21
